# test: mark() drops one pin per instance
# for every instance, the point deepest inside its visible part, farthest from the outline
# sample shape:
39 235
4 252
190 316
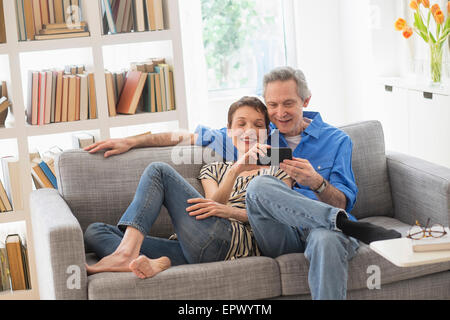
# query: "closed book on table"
432 244
18 263
131 92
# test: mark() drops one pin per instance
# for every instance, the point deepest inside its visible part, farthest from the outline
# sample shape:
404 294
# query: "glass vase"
436 52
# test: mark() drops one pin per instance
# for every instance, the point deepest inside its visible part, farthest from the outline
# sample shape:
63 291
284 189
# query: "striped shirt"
243 243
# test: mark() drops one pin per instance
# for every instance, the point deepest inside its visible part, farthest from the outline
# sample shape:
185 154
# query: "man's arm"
332 196
118 146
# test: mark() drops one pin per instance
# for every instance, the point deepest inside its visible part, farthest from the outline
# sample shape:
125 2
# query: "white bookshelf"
18 55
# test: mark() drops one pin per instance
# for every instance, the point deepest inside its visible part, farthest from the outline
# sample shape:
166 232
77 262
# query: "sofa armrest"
59 247
420 189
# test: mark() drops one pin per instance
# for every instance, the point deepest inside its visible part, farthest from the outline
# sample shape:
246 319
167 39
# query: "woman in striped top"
210 228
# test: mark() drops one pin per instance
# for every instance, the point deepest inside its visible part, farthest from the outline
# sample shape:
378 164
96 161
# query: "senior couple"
302 206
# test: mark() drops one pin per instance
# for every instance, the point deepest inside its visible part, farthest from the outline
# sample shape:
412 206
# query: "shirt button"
319 167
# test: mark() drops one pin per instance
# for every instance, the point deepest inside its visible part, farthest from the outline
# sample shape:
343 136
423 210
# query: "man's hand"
205 208
302 172
116 146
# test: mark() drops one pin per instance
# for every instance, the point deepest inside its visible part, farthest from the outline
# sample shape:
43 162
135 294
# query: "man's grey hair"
285 74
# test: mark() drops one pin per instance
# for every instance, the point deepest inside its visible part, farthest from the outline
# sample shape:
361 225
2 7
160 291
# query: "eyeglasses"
418 232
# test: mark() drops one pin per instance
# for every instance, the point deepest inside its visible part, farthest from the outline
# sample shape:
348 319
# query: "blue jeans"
284 221
198 241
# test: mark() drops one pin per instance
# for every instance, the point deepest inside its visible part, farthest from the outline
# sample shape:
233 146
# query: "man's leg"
328 253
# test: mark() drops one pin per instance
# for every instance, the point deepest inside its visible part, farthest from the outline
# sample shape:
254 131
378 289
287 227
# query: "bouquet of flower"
436 41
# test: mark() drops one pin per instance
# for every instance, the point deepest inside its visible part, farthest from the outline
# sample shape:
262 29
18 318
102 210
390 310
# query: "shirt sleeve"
209 171
342 176
217 140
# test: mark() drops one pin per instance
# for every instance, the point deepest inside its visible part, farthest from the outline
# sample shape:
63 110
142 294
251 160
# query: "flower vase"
436 52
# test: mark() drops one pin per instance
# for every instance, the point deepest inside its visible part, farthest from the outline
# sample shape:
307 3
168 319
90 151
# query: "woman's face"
248 127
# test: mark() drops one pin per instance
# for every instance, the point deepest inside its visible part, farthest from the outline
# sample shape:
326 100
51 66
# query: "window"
243 40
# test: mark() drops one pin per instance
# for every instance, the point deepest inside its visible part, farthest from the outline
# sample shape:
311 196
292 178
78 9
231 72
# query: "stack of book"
15 271
10 189
50 19
146 87
4 103
43 171
61 96
132 15
2 24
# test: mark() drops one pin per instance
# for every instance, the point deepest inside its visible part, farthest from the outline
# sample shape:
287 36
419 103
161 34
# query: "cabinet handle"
388 88
428 95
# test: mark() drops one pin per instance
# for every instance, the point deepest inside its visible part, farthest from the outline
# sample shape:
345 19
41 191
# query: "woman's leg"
200 240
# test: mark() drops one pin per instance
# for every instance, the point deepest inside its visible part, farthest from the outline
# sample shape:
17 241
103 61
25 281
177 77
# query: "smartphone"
274 157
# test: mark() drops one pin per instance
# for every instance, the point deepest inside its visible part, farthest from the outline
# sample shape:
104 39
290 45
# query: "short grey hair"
285 74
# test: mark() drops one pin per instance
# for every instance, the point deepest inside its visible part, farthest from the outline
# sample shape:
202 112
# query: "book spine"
48 173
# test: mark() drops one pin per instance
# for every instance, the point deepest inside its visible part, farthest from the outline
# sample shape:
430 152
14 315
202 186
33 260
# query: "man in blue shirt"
288 220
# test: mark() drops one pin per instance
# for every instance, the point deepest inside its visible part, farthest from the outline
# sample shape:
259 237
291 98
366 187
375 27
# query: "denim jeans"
198 241
284 221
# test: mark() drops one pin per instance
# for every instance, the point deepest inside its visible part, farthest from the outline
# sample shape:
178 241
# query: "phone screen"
275 156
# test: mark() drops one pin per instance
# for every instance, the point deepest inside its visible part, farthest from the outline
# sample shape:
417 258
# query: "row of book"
14 266
50 19
146 87
10 190
61 96
132 15
2 24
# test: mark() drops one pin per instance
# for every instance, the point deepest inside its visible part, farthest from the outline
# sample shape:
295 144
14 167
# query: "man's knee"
325 241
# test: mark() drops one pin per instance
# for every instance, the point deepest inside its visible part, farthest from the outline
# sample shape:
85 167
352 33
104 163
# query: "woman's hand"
249 160
205 208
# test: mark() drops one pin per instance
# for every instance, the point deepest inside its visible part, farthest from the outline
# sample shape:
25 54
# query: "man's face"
285 107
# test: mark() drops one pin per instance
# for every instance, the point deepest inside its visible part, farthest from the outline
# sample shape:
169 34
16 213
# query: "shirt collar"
314 127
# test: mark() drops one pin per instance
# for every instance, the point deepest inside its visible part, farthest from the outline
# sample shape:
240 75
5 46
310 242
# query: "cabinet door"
430 127
389 106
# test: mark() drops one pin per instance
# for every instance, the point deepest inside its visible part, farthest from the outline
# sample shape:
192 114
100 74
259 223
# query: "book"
109 16
48 173
2 206
159 16
139 14
2 24
44 12
150 6
58 96
432 244
92 97
127 16
29 19
4 267
159 106
18 262
48 96
67 11
77 97
63 25
62 36
65 99
51 11
132 92
4 198
59 14
110 93
4 89
172 91
41 96
39 175
82 140
160 70
61 31
72 99
11 175
37 16
53 103
21 20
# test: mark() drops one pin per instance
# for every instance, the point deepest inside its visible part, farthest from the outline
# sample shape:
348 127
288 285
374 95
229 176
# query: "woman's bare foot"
144 267
115 262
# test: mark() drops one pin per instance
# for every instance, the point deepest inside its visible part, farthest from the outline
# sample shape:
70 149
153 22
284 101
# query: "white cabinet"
415 119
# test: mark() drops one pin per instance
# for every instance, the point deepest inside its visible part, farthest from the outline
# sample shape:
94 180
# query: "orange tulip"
435 8
448 7
426 3
414 5
439 17
400 24
407 32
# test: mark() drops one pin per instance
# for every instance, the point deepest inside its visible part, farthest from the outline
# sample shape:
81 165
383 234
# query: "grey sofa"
394 191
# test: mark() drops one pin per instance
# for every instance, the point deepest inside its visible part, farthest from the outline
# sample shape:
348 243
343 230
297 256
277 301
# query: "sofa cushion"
99 189
294 267
216 280
370 170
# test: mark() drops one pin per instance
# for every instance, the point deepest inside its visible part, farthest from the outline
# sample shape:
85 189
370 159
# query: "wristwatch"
322 187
